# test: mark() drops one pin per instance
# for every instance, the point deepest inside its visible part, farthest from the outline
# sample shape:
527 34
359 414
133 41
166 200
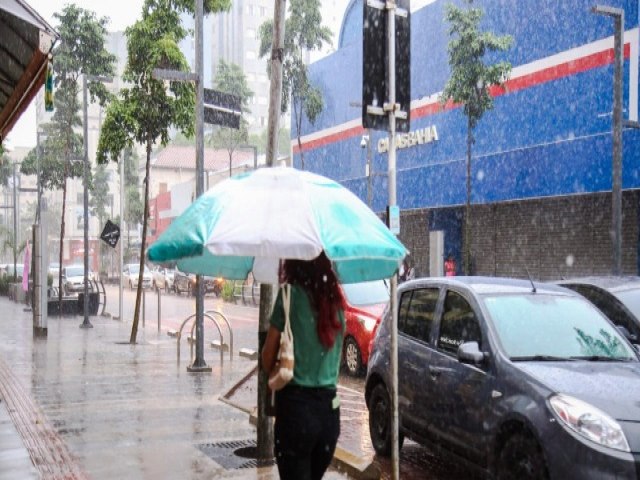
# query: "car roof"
606 282
488 285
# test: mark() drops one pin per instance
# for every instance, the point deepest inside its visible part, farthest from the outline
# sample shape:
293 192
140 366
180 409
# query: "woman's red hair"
318 279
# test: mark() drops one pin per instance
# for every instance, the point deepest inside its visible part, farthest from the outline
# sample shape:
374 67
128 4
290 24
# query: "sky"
121 15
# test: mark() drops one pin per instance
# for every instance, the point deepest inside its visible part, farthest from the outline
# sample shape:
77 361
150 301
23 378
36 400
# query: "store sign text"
411 139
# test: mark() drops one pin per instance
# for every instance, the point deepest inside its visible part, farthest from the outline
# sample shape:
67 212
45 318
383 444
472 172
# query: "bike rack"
179 334
216 312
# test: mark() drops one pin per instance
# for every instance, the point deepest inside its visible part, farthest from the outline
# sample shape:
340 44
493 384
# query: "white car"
163 278
73 278
131 274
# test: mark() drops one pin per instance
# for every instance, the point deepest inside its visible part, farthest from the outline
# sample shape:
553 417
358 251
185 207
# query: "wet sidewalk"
83 403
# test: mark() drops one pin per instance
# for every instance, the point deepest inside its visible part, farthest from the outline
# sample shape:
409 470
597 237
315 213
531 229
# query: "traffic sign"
110 234
375 65
222 108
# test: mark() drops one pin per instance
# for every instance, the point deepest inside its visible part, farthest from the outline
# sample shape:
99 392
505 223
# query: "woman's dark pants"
306 431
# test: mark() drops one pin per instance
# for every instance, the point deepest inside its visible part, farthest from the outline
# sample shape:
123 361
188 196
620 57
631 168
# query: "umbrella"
248 222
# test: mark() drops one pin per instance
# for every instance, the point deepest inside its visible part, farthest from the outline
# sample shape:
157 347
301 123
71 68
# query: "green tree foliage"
304 33
80 51
470 82
260 140
144 112
231 79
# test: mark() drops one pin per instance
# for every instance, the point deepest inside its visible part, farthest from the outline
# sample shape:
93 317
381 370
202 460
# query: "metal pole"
616 168
369 172
15 223
391 72
199 365
85 322
264 424
617 147
121 241
144 306
159 307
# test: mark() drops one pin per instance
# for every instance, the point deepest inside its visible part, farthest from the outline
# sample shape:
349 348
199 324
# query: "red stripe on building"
595 60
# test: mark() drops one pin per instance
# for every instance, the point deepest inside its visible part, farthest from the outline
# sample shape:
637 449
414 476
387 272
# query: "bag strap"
286 303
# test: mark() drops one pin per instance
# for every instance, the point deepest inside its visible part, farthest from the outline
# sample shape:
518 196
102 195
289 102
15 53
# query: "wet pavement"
85 404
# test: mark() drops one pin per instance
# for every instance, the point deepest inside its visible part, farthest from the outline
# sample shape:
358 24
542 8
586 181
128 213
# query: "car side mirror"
469 352
627 334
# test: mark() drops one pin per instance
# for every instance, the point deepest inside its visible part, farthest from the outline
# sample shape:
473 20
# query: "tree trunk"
64 206
298 118
467 212
136 316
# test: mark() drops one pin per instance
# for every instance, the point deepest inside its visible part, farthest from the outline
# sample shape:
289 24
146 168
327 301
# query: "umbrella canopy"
249 222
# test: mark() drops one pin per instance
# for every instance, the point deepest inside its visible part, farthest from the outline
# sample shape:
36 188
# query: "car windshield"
74 271
553 326
134 268
631 300
366 293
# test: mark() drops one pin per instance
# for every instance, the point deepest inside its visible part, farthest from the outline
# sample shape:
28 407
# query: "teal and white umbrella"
247 223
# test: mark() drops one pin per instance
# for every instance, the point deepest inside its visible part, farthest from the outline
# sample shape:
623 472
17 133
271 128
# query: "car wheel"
380 421
521 458
130 284
352 358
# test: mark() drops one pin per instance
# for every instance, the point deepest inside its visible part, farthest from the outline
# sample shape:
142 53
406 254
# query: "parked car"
8 270
525 381
163 278
186 282
54 269
617 297
131 275
366 302
73 278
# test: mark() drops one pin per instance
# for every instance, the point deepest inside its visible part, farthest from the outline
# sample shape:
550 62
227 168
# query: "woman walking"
307 423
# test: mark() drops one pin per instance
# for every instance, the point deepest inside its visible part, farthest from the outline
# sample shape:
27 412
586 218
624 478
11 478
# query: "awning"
26 40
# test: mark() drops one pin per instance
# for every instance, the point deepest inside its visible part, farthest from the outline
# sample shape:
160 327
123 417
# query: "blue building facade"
545 148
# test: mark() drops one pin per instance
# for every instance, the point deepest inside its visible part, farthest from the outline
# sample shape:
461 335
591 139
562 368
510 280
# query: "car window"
535 325
419 313
459 324
607 303
366 293
631 300
74 271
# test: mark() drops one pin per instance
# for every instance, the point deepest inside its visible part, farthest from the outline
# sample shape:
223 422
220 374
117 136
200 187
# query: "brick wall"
552 238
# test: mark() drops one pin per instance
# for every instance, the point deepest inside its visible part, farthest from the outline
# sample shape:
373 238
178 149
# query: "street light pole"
199 365
616 168
94 78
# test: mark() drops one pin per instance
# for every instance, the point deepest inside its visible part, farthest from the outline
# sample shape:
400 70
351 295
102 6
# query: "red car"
366 302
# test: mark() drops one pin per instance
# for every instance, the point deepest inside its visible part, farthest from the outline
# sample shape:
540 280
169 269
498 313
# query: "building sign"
411 139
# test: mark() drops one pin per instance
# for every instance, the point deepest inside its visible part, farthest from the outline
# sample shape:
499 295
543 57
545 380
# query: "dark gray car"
520 381
617 297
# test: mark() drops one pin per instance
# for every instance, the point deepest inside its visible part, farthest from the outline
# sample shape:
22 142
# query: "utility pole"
199 365
264 424
15 222
121 246
616 168
94 78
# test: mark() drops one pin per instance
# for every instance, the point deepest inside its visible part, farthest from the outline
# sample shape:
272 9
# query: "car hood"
612 387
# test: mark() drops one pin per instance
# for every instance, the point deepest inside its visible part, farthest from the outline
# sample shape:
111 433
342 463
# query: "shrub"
4 286
227 291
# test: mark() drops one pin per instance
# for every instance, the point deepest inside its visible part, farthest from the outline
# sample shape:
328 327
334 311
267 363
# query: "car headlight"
367 322
589 422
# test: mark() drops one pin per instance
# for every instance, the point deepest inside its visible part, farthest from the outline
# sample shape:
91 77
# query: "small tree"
145 111
80 51
304 33
470 82
231 79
